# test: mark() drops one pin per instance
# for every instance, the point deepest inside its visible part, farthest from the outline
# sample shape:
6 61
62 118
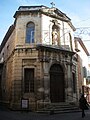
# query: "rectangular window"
28 80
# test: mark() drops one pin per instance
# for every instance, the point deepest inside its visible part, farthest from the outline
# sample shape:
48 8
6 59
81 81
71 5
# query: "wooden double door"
57 92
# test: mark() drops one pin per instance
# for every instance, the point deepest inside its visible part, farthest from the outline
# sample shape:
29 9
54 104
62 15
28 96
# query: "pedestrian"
83 105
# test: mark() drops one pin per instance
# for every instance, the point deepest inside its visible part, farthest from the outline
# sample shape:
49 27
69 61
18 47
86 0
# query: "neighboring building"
37 59
83 66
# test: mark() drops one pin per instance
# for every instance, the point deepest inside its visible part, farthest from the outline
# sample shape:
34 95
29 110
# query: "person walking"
83 105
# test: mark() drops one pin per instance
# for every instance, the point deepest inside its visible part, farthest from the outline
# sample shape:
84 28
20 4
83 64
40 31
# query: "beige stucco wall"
9 47
21 23
7 75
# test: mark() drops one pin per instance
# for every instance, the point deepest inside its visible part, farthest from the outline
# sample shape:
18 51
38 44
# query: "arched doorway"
56 83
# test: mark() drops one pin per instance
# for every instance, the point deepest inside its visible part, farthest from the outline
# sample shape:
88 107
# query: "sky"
77 10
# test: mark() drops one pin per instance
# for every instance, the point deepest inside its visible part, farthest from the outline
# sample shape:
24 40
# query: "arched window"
30 29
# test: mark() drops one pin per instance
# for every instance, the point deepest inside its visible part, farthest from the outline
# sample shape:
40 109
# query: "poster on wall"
24 103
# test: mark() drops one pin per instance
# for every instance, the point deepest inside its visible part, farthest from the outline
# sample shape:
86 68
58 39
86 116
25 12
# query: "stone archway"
57 93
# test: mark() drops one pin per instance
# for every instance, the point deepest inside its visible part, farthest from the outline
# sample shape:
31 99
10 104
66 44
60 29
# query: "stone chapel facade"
37 59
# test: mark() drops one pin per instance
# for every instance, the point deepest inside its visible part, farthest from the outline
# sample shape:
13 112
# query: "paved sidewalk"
17 115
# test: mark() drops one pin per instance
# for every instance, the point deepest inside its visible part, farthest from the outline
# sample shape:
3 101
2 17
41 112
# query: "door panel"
56 85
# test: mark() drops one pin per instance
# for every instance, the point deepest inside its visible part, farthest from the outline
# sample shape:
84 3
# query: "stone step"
59 108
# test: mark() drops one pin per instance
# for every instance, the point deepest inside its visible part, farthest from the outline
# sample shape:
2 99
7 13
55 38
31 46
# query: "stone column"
70 87
46 82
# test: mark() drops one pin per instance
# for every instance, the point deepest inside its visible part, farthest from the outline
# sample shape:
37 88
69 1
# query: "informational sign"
24 103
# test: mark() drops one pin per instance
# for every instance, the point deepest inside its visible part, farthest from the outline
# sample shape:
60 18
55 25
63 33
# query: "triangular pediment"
54 12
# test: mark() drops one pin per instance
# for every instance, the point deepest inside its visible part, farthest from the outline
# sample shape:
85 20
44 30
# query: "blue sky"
77 10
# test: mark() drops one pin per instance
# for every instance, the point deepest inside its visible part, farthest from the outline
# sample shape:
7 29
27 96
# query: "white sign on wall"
25 103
